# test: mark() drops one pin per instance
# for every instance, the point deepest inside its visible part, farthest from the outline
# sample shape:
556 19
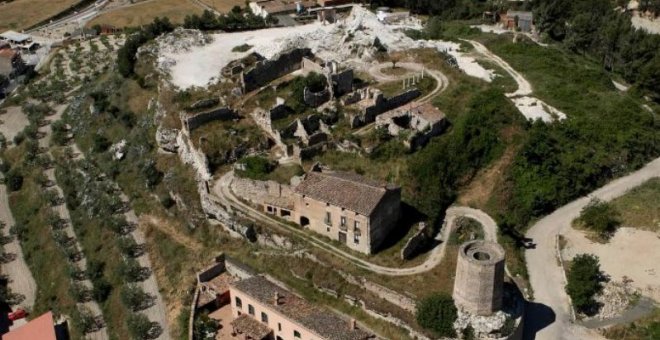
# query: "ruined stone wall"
391 103
415 243
223 113
255 191
309 65
342 82
268 70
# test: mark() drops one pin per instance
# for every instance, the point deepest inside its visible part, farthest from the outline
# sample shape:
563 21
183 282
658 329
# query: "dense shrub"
584 282
437 313
255 167
600 217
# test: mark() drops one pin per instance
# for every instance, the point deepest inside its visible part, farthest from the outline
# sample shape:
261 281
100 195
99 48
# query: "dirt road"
224 193
550 314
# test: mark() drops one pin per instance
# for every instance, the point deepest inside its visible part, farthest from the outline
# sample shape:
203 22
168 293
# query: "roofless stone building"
479 277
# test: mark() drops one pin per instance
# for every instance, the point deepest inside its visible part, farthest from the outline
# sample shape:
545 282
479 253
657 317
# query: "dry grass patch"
224 6
640 208
21 14
144 13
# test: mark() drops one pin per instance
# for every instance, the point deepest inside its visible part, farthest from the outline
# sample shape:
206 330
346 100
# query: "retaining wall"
268 70
223 113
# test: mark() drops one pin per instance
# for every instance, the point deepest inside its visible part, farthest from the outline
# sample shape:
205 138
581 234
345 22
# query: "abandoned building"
347 207
264 8
264 310
371 102
478 288
523 21
18 40
11 63
420 122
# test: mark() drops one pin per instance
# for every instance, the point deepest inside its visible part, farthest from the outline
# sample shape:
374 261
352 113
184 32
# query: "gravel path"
550 315
224 193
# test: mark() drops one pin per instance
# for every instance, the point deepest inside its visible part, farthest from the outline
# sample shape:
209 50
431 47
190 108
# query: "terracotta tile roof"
347 190
250 327
41 328
324 323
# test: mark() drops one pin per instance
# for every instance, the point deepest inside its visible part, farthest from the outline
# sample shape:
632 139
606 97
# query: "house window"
251 310
279 327
343 221
239 303
356 238
356 225
296 334
328 218
264 317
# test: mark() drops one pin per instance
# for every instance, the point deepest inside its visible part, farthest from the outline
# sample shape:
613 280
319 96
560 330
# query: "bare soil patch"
479 191
13 122
21 14
224 6
144 13
630 252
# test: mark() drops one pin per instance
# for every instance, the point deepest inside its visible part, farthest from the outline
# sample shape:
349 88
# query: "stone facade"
479 277
268 70
422 121
223 113
348 208
372 103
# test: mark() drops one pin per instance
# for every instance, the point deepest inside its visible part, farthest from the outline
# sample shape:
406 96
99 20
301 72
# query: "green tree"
141 327
437 313
204 327
135 298
100 143
14 180
584 282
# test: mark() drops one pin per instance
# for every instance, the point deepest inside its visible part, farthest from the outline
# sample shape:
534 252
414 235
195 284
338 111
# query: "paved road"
224 193
550 313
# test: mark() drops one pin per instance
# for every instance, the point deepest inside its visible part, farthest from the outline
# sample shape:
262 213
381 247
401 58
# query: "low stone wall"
255 191
415 243
268 70
223 113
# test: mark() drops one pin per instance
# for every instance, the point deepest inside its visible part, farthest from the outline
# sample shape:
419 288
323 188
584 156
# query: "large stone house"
263 310
346 207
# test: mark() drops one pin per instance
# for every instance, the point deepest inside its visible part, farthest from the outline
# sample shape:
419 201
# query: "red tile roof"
41 328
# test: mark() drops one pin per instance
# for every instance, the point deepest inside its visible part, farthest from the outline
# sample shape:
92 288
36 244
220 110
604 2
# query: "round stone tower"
479 277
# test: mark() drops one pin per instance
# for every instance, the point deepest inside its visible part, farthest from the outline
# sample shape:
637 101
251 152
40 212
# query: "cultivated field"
21 14
224 6
144 13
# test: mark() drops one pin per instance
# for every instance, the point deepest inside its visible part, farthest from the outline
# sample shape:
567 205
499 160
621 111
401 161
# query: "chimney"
276 298
352 325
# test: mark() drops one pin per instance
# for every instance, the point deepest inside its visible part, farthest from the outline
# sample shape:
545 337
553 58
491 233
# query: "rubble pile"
615 299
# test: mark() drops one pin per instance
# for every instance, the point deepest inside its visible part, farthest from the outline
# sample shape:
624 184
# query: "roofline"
270 307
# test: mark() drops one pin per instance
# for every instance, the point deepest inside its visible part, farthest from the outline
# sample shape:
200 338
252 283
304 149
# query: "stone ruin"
491 309
421 122
372 102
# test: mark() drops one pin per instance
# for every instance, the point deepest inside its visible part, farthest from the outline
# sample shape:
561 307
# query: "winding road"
550 314
224 193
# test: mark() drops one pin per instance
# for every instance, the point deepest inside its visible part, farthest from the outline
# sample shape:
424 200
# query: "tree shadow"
537 317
